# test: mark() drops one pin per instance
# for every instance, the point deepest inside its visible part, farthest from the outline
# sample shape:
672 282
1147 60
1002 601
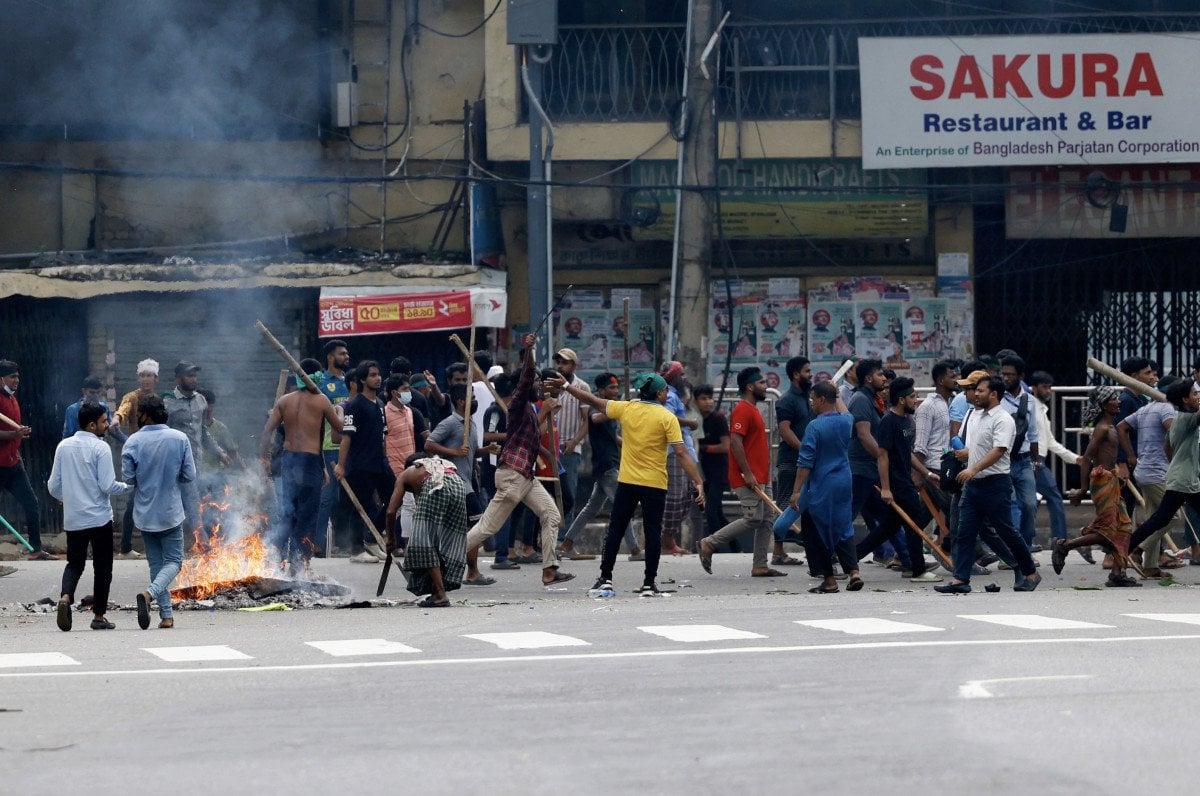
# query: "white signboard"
1026 100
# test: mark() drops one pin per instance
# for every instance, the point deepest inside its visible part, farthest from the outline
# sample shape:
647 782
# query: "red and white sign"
1050 203
370 312
1029 100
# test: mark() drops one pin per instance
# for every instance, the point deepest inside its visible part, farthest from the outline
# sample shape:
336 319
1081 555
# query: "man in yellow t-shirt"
648 430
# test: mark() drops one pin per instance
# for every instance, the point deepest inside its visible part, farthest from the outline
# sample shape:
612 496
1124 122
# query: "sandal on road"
705 559
1120 582
785 561
429 602
559 577
482 580
770 573
820 589
855 584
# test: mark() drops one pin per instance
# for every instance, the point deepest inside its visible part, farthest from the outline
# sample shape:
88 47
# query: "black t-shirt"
495 421
603 439
421 404
715 465
895 435
795 408
363 423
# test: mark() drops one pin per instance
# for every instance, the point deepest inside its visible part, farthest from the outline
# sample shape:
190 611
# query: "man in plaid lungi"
679 487
436 556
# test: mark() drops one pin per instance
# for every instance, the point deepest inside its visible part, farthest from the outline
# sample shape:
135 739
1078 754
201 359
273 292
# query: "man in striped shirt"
515 482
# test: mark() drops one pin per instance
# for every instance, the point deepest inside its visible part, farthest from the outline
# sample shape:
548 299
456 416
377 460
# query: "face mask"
8 390
406 398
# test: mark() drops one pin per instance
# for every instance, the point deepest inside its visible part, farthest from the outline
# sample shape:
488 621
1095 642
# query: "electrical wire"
465 34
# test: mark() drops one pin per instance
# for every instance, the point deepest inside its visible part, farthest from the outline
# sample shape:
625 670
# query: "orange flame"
218 563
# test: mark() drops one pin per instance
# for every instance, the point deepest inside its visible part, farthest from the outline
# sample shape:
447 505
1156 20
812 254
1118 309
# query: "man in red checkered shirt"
515 481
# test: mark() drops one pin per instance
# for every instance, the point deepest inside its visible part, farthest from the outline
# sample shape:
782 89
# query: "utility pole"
696 210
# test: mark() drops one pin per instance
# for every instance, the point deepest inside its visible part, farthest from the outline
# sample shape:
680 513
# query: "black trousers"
366 485
629 496
1172 501
101 541
910 501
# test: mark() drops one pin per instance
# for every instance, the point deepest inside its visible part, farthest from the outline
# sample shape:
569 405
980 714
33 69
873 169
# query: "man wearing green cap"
648 430
749 472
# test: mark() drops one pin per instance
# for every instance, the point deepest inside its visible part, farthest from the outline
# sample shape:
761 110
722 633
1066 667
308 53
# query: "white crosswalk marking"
1032 622
694 633
1183 619
531 640
13 660
215 652
360 646
868 626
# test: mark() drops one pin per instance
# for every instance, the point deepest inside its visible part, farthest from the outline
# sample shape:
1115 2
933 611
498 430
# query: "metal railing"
775 71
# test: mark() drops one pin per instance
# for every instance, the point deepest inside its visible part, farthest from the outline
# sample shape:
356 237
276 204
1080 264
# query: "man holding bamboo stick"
515 482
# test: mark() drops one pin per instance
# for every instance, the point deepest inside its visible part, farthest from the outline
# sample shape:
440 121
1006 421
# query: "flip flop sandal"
770 573
786 561
1058 558
482 580
822 590
1120 582
429 602
1173 563
706 560
559 577
855 584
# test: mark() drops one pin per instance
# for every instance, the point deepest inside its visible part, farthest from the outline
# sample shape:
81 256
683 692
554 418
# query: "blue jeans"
299 485
164 554
330 494
1044 478
1024 507
568 463
988 499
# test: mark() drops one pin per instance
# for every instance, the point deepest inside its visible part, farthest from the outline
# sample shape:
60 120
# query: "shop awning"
346 312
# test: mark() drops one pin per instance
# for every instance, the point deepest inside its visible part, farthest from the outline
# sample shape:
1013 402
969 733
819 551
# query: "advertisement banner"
1051 203
1028 100
388 313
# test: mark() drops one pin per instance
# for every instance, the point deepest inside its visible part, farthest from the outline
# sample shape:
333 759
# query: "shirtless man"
1112 528
301 469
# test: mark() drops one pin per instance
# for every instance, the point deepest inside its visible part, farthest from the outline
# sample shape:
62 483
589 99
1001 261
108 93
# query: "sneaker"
927 577
602 583
637 556
648 590
375 550
132 555
64 614
364 558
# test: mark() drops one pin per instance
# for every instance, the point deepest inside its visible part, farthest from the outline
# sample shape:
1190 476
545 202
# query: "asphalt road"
731 682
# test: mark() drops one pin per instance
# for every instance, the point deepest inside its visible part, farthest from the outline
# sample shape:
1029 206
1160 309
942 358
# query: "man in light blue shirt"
158 461
82 478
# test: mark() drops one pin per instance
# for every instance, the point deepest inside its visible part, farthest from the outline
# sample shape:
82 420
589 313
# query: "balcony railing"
780 71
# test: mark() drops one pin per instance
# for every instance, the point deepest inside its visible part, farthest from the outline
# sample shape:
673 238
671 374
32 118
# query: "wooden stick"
309 384
937 551
842 371
1133 490
937 515
1120 378
625 343
363 513
470 390
477 371
281 387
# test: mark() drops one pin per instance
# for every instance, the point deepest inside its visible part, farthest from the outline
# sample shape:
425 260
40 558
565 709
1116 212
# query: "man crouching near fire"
436 555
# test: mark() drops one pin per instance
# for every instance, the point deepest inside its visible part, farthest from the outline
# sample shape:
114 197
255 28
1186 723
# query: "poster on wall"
781 328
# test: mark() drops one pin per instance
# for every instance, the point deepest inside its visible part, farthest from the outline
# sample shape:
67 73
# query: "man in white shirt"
83 478
1042 384
1024 459
572 431
987 492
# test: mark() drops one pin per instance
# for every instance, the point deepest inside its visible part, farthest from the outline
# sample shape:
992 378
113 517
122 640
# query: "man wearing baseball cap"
572 430
185 412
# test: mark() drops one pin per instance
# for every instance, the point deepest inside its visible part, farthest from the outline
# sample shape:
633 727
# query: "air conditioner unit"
346 108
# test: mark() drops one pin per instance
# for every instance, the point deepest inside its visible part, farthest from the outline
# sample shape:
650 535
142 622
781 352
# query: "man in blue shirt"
92 390
333 387
158 462
82 477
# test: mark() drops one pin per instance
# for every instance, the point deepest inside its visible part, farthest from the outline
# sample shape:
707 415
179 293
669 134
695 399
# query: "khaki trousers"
513 488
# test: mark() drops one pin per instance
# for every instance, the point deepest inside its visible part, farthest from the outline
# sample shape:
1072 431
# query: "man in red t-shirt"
13 478
749 473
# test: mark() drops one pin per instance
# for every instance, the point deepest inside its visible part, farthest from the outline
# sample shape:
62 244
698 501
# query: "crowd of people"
376 464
